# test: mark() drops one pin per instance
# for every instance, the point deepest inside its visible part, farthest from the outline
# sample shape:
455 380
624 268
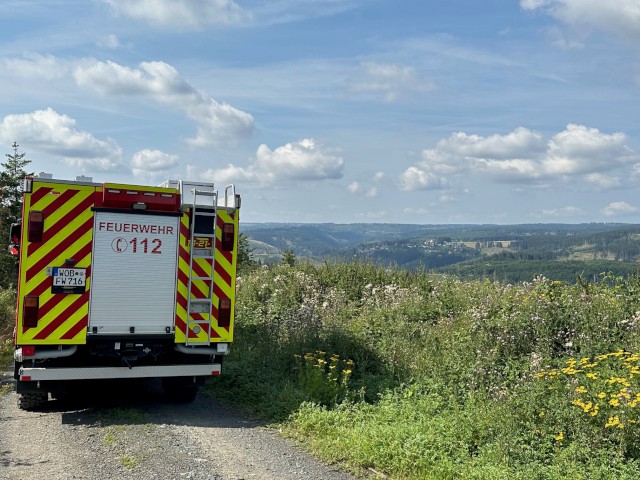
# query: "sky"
342 111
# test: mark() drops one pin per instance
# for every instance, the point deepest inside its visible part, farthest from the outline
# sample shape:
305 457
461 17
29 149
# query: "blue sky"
394 111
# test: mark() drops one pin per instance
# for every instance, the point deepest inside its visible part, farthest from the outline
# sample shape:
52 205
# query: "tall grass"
446 378
7 322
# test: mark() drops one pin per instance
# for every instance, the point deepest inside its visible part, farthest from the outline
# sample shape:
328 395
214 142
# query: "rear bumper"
26 374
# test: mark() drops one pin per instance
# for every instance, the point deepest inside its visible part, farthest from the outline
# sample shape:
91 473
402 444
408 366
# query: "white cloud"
568 211
388 80
35 66
55 134
603 181
353 187
216 121
181 14
304 160
415 178
152 162
620 17
367 188
615 209
579 149
523 157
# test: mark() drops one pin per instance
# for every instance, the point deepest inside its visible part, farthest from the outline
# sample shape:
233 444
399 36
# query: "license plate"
69 277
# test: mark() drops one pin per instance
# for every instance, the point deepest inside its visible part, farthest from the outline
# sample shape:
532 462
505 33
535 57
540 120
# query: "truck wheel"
179 391
32 400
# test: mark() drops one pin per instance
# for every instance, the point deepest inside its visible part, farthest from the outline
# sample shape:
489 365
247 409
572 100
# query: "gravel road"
128 431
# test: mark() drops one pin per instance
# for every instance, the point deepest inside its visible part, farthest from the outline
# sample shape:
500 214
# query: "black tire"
32 400
180 390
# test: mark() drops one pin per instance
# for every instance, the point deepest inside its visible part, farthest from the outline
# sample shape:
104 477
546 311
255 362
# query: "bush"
446 380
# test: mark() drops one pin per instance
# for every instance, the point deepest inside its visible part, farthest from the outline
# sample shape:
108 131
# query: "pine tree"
11 184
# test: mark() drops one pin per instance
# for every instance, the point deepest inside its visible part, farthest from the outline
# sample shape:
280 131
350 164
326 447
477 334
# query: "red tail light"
224 313
28 350
36 226
228 239
30 312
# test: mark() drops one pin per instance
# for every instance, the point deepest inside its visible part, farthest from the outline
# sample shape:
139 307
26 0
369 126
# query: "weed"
444 382
131 461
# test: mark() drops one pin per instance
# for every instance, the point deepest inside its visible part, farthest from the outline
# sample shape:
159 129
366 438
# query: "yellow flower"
594 411
614 402
559 437
602 395
593 376
581 389
612 422
347 372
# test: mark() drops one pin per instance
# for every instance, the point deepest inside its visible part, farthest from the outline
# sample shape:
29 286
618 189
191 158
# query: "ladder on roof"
203 226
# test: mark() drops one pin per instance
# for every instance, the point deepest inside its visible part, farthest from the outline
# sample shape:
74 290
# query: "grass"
448 379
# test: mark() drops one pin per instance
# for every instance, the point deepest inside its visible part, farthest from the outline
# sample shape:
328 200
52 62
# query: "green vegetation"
510 253
445 378
7 321
11 182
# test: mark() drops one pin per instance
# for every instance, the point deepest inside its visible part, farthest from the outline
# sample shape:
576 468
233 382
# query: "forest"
510 253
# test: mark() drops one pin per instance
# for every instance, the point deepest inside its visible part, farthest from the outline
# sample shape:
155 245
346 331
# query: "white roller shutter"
133 273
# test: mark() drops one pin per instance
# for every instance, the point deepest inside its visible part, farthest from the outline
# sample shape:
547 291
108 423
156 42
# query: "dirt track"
128 431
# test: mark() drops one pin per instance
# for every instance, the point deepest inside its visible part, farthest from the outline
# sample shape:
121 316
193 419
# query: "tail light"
30 311
36 226
228 239
28 350
224 313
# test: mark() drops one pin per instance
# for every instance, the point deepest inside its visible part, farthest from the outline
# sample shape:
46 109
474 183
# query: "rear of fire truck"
123 282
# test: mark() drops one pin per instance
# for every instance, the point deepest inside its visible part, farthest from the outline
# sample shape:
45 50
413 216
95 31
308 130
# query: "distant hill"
504 252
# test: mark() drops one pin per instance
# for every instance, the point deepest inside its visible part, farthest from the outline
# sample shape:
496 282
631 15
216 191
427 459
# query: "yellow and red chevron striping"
223 284
68 234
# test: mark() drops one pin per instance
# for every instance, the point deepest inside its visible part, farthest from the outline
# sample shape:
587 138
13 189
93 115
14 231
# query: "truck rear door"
133 273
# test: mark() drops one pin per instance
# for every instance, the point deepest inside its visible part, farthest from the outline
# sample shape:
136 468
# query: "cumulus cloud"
388 81
55 134
216 121
579 149
152 162
181 14
304 160
615 209
620 17
524 157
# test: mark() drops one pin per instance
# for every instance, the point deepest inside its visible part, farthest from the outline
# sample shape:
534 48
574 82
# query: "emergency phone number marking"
144 245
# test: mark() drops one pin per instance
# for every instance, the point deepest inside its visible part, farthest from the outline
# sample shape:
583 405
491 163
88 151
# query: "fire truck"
121 281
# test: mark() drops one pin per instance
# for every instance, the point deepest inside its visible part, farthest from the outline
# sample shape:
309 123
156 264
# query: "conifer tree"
11 184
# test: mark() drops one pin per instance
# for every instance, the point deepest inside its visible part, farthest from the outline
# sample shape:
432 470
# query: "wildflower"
614 402
592 376
581 389
612 422
602 395
347 372
559 437
594 410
